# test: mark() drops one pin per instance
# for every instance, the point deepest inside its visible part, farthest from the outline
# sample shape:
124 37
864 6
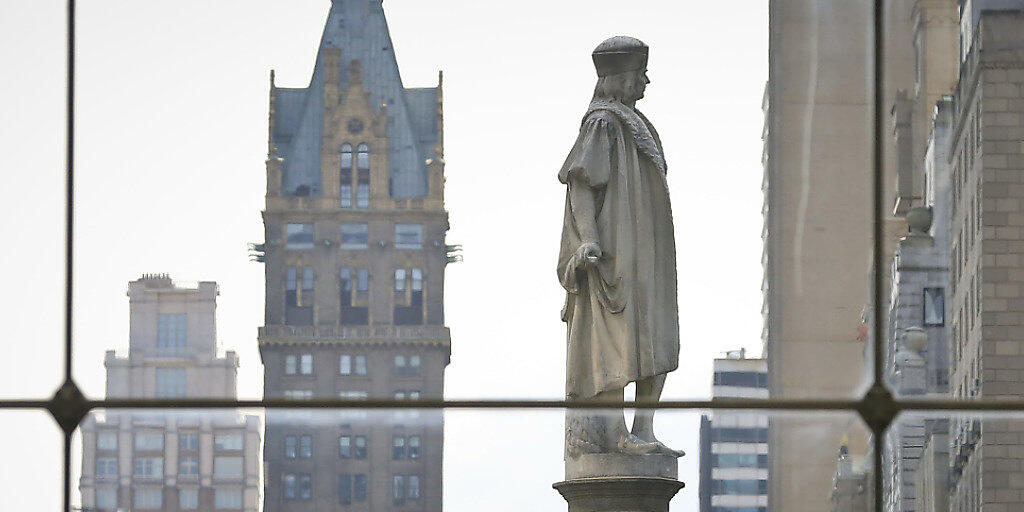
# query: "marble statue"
617 261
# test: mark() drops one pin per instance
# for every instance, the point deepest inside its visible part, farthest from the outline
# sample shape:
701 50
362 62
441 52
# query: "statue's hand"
589 253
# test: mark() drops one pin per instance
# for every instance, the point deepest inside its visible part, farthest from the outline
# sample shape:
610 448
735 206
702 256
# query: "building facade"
171 461
734 445
354 257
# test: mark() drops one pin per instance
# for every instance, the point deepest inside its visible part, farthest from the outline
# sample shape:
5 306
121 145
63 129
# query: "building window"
227 498
227 467
414 487
345 365
345 447
306 364
299 296
360 365
106 441
359 450
363 177
305 486
289 486
345 178
149 467
345 489
408 236
398 489
354 235
359 488
290 444
149 441
188 441
106 467
408 297
188 466
306 447
407 365
298 394
148 498
188 499
414 447
170 382
354 296
106 498
398 448
171 330
299 236
934 306
232 441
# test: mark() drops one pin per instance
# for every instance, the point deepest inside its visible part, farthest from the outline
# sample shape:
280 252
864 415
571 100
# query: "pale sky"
171 142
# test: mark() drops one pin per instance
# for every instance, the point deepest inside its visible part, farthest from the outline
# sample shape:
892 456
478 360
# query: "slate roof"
359 29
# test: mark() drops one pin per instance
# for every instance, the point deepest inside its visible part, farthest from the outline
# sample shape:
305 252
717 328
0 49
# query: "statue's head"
621 63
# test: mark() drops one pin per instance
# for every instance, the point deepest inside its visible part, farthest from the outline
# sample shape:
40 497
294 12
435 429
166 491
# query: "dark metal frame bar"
878 408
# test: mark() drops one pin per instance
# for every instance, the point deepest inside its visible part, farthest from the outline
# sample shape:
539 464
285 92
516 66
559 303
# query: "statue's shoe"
633 445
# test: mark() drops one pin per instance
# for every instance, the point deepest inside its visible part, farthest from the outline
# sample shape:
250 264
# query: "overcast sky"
171 142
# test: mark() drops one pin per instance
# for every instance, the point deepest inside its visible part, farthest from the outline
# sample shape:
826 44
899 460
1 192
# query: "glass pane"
380 458
33 475
32 47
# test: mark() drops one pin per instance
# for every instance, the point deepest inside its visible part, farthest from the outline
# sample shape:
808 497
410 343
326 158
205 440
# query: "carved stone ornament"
355 126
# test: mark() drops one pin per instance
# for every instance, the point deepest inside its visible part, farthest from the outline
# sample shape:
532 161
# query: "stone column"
616 482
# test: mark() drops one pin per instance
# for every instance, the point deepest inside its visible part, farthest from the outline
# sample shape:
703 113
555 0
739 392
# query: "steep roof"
359 29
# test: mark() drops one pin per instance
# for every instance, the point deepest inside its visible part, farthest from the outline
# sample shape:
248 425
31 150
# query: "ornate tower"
355 256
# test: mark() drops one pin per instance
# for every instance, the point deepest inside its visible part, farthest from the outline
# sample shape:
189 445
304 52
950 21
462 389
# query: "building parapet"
375 334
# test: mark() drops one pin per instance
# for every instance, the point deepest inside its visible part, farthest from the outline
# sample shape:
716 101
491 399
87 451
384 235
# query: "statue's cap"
620 54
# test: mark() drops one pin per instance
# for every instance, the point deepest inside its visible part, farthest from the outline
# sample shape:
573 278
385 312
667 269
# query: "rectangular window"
359 487
359 452
299 296
298 394
414 362
188 441
227 498
306 364
398 448
288 483
306 447
106 498
188 466
345 364
299 236
363 281
227 467
106 467
345 489
291 364
149 467
360 365
345 447
417 280
290 447
188 499
363 189
414 487
305 486
149 441
229 441
414 447
171 332
354 236
354 297
399 363
400 280
170 382
408 304
934 306
148 498
408 236
106 441
398 489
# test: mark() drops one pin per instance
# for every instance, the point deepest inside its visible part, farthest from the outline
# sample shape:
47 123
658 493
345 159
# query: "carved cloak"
622 314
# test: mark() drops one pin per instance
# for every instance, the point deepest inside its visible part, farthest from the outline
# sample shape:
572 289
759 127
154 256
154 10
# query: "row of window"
153 467
302 364
739 460
187 441
353 286
351 487
742 379
739 487
351 447
188 499
306 394
739 435
354 235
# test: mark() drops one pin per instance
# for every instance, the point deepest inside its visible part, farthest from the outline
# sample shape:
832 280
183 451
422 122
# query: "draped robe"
622 313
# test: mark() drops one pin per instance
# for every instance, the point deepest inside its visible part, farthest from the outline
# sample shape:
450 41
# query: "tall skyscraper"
734 445
355 257
170 461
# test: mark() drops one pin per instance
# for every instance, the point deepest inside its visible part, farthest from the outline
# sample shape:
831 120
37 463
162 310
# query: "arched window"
345 178
363 180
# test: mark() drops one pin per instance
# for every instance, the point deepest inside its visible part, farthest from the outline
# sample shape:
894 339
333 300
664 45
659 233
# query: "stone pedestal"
615 482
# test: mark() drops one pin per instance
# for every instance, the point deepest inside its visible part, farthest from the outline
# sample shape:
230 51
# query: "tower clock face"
355 126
